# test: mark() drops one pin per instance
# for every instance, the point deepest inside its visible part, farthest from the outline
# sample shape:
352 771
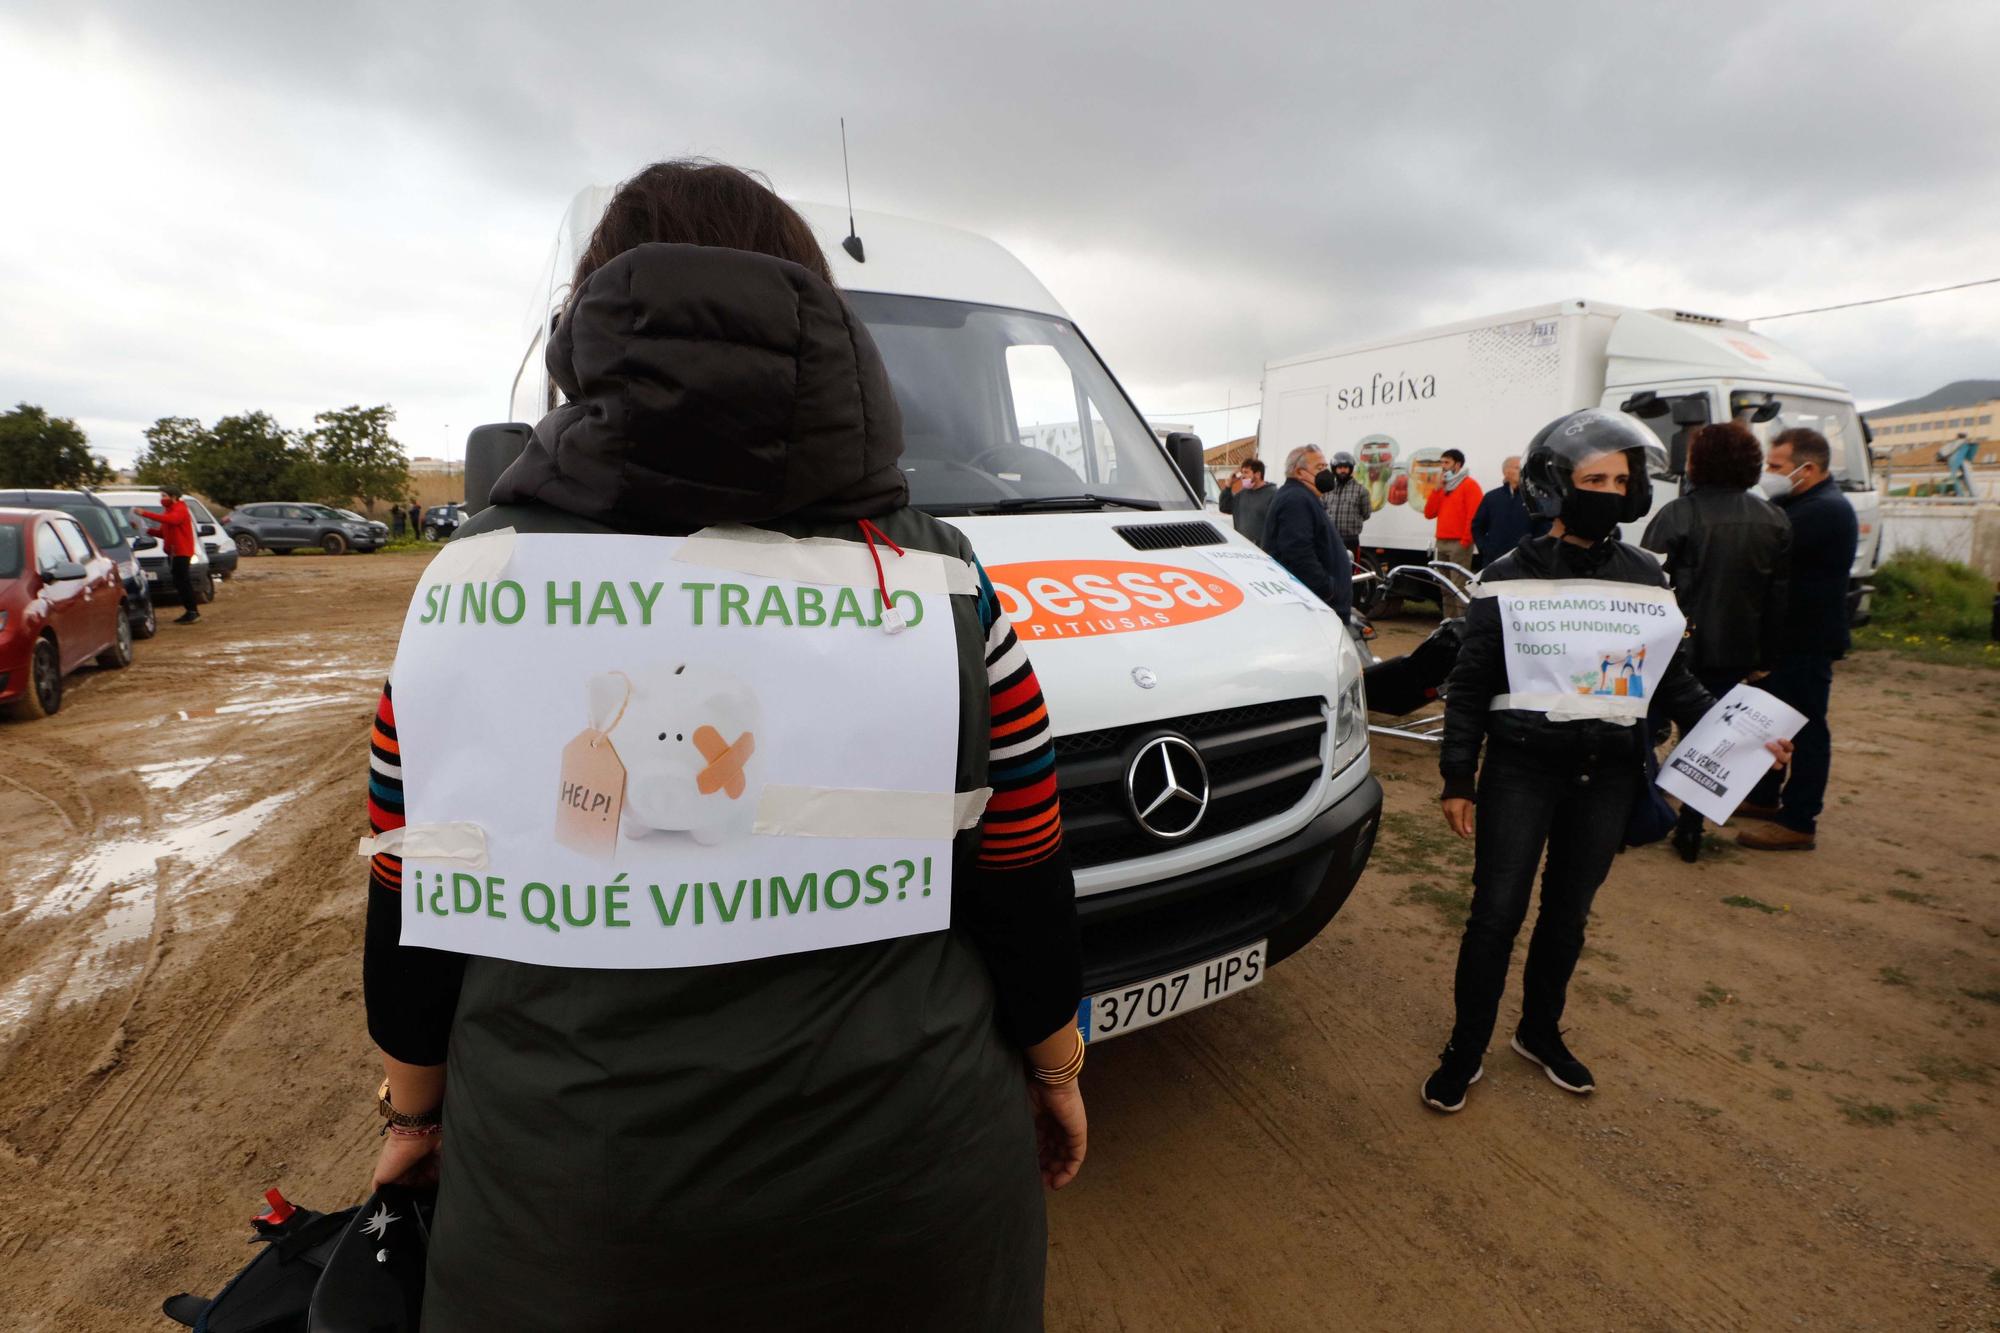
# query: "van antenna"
853 242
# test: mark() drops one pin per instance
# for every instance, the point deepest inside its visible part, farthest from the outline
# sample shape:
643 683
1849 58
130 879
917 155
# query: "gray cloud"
348 203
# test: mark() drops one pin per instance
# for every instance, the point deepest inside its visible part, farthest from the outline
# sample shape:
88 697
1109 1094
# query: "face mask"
1776 486
1591 515
1324 481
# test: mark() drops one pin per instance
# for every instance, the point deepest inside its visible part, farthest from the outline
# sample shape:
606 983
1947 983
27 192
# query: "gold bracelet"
1067 1071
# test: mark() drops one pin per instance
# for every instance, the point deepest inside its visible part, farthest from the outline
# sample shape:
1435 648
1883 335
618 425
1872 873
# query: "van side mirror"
489 451
144 543
205 529
1184 448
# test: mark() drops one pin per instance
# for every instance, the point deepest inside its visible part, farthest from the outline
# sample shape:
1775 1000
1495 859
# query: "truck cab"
1209 724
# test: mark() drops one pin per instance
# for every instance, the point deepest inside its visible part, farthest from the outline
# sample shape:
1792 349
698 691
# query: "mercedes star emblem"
1167 785
1144 677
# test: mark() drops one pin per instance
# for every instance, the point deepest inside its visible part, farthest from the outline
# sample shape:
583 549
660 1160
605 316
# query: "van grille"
1166 536
1262 760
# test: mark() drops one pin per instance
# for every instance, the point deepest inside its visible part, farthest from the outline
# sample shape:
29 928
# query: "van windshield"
1005 406
1835 420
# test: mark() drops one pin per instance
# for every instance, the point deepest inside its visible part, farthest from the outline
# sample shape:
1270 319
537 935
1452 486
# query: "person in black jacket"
1501 520
1561 770
1728 553
1299 536
1798 476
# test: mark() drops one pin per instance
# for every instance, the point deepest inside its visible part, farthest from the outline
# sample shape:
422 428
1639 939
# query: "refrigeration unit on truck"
1210 728
1485 386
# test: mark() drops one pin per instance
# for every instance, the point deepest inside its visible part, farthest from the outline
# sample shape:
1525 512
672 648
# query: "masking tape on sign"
460 844
833 561
471 559
1573 707
1567 588
849 812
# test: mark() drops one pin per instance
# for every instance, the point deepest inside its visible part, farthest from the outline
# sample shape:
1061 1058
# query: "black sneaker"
1445 1090
187 619
1687 841
1564 1070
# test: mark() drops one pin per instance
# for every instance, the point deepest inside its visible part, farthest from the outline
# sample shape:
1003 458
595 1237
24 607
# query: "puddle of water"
129 917
18 999
121 861
166 776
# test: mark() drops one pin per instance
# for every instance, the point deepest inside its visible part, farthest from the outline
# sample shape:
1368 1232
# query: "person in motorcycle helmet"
1347 502
1562 735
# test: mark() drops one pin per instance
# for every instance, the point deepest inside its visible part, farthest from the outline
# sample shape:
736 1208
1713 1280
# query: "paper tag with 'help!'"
590 796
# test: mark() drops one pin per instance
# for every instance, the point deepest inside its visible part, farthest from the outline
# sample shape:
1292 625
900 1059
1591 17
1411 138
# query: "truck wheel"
431 532
247 544
45 684
204 592
333 544
148 624
119 654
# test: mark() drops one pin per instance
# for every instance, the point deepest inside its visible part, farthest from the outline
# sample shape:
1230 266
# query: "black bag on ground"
1404 684
319 1272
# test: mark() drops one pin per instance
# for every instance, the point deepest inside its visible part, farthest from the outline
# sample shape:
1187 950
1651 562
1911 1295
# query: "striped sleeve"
1023 821
385 791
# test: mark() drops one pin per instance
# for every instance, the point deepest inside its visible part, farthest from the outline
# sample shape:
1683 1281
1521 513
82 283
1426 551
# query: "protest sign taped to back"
611 717
1578 648
1716 764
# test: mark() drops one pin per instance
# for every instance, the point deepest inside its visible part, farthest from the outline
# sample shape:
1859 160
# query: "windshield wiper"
1082 500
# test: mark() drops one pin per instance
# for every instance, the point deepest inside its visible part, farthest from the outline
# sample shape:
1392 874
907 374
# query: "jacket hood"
709 385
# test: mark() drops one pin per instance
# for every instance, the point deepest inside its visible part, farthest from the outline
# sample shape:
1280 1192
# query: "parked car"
152 557
61 606
440 521
215 543
290 525
107 529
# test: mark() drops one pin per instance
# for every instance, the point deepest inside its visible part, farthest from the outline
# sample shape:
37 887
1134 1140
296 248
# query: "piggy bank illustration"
688 740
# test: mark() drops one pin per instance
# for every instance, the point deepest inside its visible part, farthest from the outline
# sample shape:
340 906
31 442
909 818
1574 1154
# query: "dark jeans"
183 577
1805 681
1577 807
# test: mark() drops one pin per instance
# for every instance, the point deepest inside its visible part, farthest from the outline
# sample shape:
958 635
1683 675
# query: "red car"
61 605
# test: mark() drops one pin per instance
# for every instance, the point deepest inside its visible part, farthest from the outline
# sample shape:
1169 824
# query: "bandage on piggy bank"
689 744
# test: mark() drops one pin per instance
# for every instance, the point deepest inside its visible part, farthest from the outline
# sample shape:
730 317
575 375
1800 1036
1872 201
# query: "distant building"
443 466
1909 434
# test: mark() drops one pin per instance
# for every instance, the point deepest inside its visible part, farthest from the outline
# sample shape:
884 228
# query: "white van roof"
905 257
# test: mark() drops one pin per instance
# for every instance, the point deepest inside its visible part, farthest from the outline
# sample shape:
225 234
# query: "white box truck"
1210 726
1485 386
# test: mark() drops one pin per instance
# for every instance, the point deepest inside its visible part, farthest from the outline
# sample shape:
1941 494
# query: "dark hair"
1454 455
1725 454
1808 446
693 201
172 489
1256 465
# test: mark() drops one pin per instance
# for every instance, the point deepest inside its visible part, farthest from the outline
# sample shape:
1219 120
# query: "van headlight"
1350 724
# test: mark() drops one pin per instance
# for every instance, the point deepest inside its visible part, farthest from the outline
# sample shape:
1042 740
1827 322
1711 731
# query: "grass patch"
1946 1070
1908 873
1413 844
1872 1114
1451 904
1923 1110
1713 995
1986 996
1758 904
1781 1094
1939 650
1912 896
1917 593
1896 976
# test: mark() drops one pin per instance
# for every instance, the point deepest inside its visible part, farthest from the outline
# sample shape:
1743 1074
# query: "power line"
1876 300
1205 411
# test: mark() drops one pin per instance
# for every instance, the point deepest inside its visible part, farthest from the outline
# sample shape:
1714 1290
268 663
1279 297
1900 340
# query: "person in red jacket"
174 526
1453 504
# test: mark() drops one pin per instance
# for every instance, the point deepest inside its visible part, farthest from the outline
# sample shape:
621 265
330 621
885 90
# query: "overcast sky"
220 207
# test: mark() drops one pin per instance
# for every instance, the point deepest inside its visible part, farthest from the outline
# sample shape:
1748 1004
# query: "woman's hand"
1458 814
1060 1130
409 1159
1782 749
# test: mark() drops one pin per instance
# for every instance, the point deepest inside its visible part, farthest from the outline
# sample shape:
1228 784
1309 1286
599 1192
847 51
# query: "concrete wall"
1967 531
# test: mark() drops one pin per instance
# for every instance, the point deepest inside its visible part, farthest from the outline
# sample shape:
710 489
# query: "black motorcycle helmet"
1549 466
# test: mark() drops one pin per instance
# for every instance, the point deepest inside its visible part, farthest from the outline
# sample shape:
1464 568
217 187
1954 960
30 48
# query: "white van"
153 559
1210 730
1485 386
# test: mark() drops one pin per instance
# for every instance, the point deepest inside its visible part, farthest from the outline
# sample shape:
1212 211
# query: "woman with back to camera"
839 1138
1729 554
1540 683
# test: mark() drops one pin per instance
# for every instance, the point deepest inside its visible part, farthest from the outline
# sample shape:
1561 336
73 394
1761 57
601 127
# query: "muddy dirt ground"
1796 1056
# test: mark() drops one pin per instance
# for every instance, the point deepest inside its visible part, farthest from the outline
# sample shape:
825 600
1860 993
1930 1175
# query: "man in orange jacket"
1453 504
174 526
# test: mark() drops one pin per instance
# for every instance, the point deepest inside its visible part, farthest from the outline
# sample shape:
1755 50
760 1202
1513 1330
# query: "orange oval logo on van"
1074 599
